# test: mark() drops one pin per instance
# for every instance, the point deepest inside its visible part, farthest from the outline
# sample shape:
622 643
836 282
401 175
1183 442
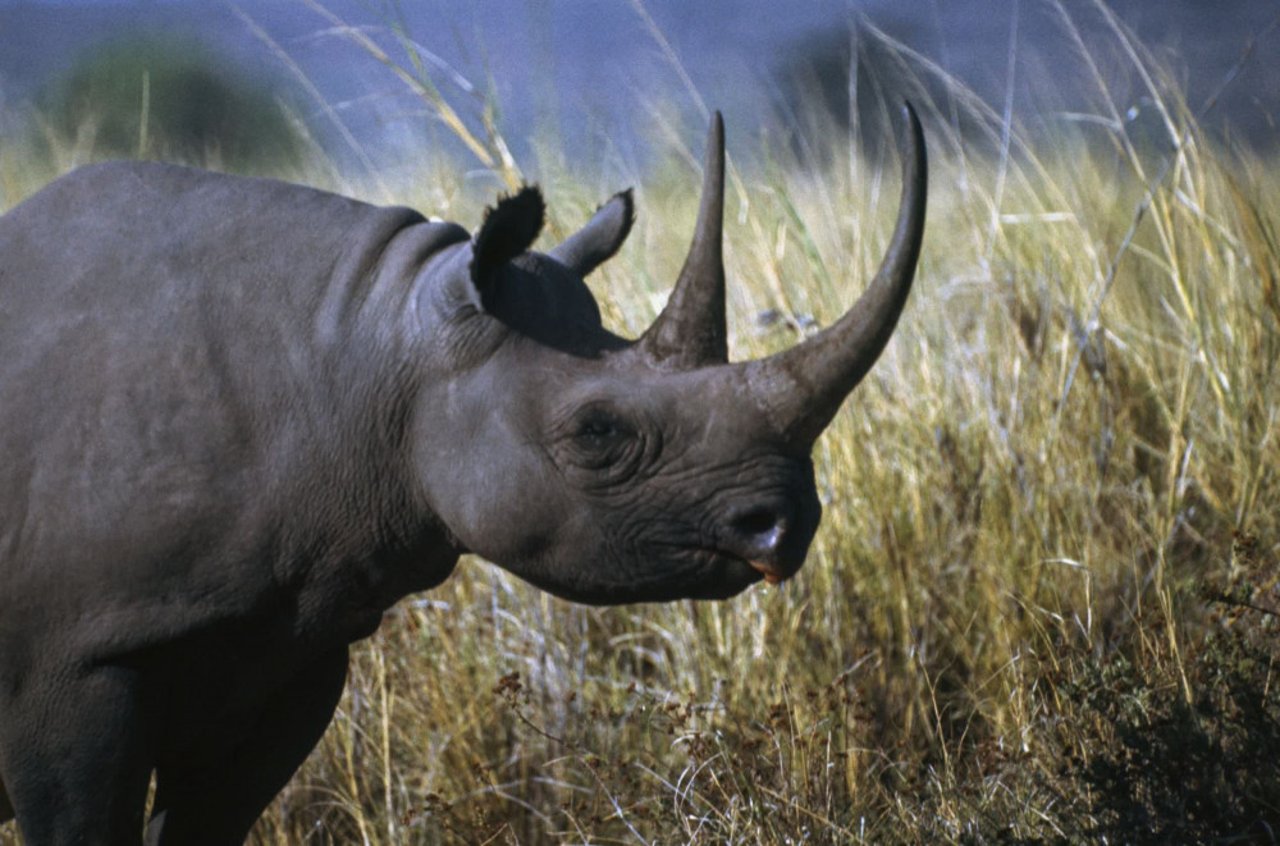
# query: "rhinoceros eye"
599 429
601 438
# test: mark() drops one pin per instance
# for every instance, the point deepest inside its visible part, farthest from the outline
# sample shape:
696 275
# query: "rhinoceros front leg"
76 764
217 802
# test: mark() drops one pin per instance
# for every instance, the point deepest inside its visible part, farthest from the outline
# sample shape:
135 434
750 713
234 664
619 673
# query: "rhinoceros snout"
772 536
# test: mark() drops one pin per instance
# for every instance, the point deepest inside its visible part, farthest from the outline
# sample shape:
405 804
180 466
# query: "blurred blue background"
592 75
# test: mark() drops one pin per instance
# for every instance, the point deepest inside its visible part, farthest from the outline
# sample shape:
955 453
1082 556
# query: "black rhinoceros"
239 419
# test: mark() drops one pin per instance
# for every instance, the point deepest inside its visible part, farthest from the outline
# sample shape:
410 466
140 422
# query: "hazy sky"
595 69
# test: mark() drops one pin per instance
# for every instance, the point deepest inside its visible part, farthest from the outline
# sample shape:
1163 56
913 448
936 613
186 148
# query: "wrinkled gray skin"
240 419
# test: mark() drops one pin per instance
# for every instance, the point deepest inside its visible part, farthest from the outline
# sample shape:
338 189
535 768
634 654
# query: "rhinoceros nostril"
758 531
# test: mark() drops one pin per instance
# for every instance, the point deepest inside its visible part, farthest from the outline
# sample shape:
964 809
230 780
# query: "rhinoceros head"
606 470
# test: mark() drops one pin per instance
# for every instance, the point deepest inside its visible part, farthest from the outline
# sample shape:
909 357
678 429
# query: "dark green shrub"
165 98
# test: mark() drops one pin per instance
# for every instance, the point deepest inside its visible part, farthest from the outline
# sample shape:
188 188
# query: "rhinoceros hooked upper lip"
241 418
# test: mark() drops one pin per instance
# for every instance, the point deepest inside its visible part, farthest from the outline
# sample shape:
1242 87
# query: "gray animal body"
239 419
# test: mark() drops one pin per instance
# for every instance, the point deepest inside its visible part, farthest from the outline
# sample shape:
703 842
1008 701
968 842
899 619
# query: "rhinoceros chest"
206 685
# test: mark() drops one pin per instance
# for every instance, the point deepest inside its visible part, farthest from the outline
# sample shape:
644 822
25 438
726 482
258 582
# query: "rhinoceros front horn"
690 331
801 389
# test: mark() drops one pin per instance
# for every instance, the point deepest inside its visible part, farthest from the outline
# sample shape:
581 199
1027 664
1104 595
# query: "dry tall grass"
1043 604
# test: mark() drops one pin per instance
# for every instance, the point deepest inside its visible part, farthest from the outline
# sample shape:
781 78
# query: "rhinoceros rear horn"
595 243
802 388
690 331
509 228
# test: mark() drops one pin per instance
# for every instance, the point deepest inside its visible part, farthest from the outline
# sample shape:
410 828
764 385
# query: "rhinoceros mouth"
728 563
771 572
684 572
697 571
771 575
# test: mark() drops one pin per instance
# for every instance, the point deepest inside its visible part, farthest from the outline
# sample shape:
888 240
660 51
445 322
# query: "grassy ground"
1044 604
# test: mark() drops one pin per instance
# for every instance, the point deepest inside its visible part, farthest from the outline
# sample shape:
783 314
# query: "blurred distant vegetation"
173 99
856 76
856 82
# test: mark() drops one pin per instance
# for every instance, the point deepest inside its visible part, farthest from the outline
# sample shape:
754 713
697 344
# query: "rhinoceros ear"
595 243
508 230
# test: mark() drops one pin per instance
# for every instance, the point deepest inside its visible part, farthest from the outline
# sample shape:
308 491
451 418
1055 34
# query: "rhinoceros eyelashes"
509 228
595 243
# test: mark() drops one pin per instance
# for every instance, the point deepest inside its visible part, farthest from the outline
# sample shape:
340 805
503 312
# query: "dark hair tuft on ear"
509 229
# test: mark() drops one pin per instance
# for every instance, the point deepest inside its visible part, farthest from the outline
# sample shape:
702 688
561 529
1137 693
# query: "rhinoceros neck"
357 535
371 288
